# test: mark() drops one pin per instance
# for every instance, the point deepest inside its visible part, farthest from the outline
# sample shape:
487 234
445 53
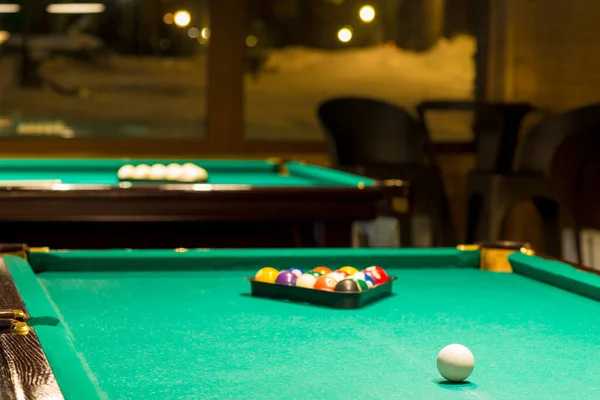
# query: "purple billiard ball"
286 277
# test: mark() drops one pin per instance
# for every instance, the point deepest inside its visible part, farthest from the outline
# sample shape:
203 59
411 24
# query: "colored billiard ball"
455 362
315 273
286 277
361 283
296 271
266 274
322 270
348 269
361 275
306 281
377 273
346 285
326 283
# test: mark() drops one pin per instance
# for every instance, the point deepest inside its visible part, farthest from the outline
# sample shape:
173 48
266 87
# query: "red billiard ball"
377 273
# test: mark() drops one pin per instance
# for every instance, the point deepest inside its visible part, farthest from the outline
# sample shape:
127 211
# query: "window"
118 69
302 52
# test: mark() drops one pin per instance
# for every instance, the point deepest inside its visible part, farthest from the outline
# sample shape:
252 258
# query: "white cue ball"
455 362
158 172
173 172
306 281
141 172
125 172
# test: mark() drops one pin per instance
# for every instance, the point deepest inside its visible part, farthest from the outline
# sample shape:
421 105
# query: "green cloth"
160 324
557 273
239 172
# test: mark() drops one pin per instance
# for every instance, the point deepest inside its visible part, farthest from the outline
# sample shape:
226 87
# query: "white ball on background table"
455 362
189 165
125 172
173 172
158 172
189 175
141 172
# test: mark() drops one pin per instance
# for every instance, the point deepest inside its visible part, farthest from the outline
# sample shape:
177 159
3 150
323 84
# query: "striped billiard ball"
361 283
377 273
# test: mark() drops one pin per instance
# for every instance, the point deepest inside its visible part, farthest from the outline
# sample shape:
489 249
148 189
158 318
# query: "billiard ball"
173 172
322 270
158 172
348 269
361 275
306 281
346 285
125 172
337 276
202 174
377 273
361 283
315 273
326 283
266 274
141 172
286 277
455 362
189 175
296 271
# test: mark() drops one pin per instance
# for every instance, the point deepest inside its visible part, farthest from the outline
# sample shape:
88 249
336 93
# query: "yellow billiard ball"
266 274
349 270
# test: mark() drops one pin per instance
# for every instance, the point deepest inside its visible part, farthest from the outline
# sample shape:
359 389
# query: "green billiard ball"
316 274
361 283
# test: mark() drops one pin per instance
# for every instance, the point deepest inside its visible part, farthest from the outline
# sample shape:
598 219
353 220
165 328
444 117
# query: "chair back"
367 132
559 141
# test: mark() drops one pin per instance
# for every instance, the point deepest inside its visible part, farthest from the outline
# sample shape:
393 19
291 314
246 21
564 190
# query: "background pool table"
166 324
245 204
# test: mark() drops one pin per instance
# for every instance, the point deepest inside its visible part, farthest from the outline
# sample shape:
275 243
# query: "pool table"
91 324
245 203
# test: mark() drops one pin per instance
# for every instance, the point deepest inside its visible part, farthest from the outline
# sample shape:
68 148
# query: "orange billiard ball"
326 283
322 270
266 274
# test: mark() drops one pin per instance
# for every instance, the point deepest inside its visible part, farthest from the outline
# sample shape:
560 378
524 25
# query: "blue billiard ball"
296 271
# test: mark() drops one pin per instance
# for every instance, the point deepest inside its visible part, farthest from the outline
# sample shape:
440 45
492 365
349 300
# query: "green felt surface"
241 172
172 331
